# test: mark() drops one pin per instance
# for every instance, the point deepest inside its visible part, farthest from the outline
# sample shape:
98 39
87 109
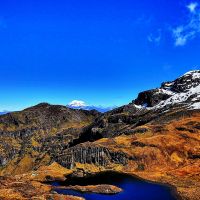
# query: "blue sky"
102 52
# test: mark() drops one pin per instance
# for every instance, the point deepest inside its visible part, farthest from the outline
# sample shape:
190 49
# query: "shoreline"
172 188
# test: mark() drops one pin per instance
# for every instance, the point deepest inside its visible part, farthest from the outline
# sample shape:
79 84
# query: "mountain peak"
188 80
193 73
184 90
77 103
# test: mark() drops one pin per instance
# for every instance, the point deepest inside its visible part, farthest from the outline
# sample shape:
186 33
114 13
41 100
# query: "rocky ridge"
185 91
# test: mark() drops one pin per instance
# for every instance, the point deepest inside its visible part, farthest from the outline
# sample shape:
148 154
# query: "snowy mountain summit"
189 80
81 105
77 104
184 91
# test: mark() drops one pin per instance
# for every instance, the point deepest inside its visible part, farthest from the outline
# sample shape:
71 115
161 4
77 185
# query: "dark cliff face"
150 98
89 153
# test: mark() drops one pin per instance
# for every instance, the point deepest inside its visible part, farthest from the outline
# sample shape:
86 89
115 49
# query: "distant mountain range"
98 108
80 105
4 112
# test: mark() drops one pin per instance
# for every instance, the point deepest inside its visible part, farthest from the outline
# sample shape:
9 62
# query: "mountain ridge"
172 92
4 112
97 108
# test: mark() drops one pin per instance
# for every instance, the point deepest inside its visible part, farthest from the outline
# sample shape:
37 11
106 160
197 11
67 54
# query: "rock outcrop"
100 189
91 154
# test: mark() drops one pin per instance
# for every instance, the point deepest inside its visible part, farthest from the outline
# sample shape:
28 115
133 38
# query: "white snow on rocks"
190 97
164 91
195 74
178 98
195 106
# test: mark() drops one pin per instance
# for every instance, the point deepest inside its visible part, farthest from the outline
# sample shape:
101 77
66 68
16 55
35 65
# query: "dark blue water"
133 189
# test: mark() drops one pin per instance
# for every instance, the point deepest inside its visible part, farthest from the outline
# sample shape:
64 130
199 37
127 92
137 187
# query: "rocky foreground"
156 137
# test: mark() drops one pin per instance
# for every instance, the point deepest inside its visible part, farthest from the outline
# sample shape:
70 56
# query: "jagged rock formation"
91 154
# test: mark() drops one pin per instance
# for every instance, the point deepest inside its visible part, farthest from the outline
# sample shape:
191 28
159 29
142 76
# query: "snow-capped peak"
195 74
185 91
77 103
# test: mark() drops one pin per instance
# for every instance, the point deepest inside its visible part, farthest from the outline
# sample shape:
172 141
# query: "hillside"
29 138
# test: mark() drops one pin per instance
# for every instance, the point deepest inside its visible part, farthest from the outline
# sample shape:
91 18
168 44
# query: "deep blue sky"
102 52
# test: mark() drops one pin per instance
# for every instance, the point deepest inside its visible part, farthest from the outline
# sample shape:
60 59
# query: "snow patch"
179 97
195 74
195 106
138 106
164 91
